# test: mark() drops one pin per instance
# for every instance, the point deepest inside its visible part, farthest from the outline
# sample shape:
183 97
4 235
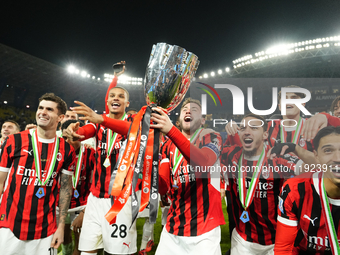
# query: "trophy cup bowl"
168 75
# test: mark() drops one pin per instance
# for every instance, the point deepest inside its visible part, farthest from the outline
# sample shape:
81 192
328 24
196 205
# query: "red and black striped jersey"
195 201
101 174
300 205
82 191
274 135
29 213
262 211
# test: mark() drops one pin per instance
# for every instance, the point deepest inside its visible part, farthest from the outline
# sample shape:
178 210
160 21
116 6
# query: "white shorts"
239 246
11 245
207 243
97 233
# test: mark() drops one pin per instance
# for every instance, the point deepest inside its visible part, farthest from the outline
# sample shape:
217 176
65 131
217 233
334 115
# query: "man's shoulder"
302 179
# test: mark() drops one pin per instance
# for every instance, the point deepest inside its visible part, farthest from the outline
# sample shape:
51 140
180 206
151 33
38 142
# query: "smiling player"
309 208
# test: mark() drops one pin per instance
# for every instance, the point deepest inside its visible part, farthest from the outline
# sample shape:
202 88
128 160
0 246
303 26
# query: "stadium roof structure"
309 64
24 78
307 59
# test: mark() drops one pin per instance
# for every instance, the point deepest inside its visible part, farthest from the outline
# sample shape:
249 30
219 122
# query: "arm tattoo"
64 196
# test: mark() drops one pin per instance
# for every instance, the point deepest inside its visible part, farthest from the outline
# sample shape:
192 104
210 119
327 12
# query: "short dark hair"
120 87
61 105
14 122
265 124
68 122
191 100
325 132
301 95
335 103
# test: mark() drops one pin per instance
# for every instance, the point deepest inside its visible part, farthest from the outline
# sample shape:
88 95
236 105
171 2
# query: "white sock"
147 232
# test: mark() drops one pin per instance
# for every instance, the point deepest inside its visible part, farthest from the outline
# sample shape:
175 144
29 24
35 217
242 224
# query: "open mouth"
43 119
248 142
335 170
115 105
188 119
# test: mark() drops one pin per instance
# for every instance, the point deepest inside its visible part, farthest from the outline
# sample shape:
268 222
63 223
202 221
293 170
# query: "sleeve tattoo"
64 196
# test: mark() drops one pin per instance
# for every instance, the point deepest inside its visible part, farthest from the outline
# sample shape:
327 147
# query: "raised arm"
205 156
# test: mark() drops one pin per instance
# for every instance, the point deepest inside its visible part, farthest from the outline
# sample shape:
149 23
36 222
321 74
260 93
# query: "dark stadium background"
40 39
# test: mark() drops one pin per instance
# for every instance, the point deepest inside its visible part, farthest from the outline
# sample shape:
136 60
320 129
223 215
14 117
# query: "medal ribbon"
326 211
246 197
50 162
139 163
75 177
146 184
178 157
296 133
127 158
111 140
121 200
154 204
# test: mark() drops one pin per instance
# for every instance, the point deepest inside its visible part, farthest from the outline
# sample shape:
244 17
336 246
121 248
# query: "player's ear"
128 104
202 121
265 135
61 117
316 156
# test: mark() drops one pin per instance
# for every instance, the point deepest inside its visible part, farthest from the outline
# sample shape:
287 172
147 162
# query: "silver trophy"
168 75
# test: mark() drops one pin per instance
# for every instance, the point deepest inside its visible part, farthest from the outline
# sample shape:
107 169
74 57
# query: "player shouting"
254 185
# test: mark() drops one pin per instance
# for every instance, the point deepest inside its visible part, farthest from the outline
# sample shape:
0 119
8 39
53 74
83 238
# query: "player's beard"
194 125
250 153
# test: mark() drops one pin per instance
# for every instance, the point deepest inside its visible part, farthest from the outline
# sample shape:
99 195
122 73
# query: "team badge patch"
265 173
281 205
40 193
59 156
302 142
2 218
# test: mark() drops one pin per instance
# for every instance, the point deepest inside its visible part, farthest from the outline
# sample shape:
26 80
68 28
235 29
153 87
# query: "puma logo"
305 216
29 152
128 245
276 140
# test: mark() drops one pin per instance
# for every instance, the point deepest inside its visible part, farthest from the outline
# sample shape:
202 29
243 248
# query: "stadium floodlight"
71 69
205 75
27 106
5 102
88 75
93 77
219 71
212 74
227 69
200 77
83 73
98 79
76 71
95 111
